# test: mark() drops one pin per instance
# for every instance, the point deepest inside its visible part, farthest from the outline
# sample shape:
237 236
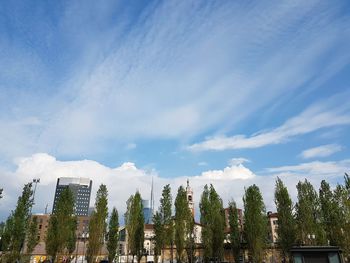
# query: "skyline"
217 92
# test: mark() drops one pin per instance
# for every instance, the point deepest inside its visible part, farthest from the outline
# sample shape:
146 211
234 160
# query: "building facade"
189 195
81 189
273 226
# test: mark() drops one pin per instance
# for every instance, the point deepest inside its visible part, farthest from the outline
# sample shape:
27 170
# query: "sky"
232 93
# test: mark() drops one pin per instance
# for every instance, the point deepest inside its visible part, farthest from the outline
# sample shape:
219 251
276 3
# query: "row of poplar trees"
20 231
317 218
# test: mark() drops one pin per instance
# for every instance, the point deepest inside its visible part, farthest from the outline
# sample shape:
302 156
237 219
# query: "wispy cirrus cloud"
321 151
318 116
128 77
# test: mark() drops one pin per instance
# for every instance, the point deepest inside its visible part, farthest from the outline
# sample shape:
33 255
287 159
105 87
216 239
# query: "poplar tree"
17 225
136 227
286 230
204 207
32 236
255 222
167 228
113 235
342 196
61 237
308 216
234 235
128 225
183 223
158 235
213 221
98 224
331 214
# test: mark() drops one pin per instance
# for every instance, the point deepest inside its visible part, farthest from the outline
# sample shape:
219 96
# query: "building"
147 211
273 225
39 252
189 194
81 189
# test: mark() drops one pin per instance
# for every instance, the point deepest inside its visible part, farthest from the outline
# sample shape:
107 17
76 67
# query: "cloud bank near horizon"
124 180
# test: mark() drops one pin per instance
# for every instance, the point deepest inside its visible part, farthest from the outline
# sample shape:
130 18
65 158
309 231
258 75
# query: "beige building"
273 226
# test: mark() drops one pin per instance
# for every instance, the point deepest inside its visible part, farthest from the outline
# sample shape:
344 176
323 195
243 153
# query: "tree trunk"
162 253
172 251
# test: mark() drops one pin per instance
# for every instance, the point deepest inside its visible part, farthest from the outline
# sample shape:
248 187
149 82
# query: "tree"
61 237
213 221
97 224
17 225
331 214
286 230
167 228
255 222
234 235
308 216
1 192
113 237
158 235
128 225
32 235
135 226
183 224
342 198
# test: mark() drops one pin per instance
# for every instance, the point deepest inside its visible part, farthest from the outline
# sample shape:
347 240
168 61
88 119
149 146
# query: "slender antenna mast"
152 199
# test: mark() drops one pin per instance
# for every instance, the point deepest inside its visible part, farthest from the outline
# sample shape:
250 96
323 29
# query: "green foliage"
213 221
135 226
32 235
17 225
113 237
165 212
61 237
342 196
255 222
97 223
127 221
158 235
286 230
163 223
308 216
183 222
331 214
1 192
234 235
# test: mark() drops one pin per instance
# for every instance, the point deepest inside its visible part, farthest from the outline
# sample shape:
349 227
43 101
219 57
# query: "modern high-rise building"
148 208
81 189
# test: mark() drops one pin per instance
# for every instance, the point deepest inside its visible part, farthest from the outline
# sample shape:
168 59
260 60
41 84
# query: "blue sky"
175 89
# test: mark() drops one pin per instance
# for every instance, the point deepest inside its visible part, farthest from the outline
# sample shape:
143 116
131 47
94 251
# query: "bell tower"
189 194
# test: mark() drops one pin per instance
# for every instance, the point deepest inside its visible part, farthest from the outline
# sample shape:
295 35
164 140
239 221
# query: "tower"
81 189
189 194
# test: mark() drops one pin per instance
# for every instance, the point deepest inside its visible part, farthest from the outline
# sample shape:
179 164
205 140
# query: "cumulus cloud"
320 115
321 151
124 180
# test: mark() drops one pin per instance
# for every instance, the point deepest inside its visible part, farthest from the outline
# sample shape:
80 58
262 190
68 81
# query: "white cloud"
320 115
229 173
159 80
316 168
131 146
237 161
121 181
321 151
124 180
